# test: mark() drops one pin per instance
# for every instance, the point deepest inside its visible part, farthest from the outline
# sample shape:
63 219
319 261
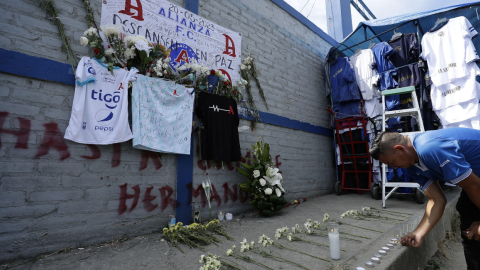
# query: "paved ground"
150 251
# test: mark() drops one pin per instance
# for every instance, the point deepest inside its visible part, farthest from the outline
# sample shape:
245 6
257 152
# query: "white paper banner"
188 35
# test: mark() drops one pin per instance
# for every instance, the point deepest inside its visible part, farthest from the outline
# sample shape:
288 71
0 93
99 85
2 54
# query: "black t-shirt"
405 52
219 136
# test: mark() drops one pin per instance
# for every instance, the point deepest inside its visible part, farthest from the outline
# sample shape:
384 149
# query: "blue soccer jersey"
448 155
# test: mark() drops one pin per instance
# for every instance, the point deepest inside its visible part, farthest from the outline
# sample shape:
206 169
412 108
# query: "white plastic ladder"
414 112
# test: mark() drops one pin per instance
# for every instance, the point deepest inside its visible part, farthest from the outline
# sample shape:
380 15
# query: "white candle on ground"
334 238
386 248
220 215
375 260
378 256
369 264
382 252
228 216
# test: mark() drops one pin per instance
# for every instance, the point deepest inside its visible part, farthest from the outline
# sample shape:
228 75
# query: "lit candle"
393 242
334 238
369 264
383 252
220 215
375 260
390 246
360 268
386 248
378 256
228 216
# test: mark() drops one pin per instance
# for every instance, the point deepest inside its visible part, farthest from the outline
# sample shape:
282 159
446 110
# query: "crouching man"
450 155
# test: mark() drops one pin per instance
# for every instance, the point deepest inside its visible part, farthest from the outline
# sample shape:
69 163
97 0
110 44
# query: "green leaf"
267 212
266 152
246 166
244 172
245 187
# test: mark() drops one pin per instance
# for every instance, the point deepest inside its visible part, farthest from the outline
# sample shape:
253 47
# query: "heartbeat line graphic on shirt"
216 109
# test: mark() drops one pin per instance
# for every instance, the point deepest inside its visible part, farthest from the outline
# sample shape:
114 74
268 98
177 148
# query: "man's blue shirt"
446 155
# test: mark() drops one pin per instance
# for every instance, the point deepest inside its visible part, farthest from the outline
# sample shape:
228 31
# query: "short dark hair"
384 143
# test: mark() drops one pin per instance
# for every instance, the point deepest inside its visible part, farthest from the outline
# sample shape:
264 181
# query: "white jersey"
457 91
363 63
100 105
449 49
373 107
459 113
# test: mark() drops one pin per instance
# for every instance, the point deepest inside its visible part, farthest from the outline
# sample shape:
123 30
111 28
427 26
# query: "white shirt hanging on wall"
100 105
449 49
362 63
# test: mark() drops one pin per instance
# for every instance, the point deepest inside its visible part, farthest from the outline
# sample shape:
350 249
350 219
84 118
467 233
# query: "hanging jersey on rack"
449 49
219 136
385 68
363 63
342 79
405 52
457 91
100 105
162 115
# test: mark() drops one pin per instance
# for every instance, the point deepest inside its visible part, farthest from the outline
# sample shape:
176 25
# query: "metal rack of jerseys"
366 33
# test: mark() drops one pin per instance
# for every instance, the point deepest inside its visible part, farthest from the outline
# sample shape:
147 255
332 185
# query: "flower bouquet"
264 181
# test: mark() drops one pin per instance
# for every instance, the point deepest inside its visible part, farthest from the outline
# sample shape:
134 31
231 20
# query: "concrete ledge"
404 258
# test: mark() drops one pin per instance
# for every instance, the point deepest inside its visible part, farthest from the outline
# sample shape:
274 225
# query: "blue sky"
380 8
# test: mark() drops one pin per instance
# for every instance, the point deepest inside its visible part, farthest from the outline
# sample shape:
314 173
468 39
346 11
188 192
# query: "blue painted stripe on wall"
183 211
297 15
285 122
35 67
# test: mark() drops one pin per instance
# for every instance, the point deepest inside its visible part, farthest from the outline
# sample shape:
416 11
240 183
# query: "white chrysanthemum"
252 244
129 53
110 51
242 66
268 191
202 259
256 173
326 217
229 252
110 30
233 247
91 32
366 208
278 192
83 41
289 237
278 235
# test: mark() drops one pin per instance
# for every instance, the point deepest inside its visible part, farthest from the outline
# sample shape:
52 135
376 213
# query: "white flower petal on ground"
256 173
268 191
229 252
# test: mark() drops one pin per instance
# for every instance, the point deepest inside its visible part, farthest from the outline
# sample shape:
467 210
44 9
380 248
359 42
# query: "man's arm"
433 213
471 185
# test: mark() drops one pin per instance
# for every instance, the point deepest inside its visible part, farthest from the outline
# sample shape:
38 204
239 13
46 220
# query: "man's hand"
473 232
412 239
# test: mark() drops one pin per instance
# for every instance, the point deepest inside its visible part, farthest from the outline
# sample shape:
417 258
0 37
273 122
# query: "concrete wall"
56 193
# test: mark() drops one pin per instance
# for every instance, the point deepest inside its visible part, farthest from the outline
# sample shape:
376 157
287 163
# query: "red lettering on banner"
154 156
224 72
22 133
166 200
229 46
117 153
182 56
122 207
129 7
96 154
53 138
228 193
147 200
